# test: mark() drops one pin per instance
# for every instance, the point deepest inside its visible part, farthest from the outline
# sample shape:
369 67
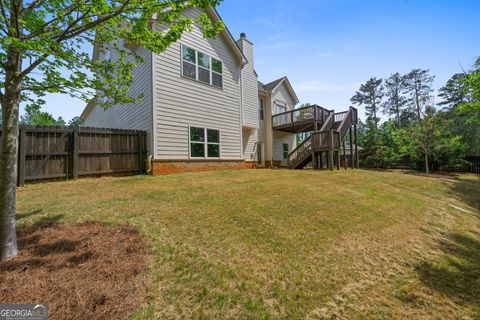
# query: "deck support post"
338 159
345 164
357 158
314 154
330 159
351 149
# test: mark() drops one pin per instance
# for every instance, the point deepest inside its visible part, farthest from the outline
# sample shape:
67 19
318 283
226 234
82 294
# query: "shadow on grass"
39 218
463 186
467 190
457 273
24 215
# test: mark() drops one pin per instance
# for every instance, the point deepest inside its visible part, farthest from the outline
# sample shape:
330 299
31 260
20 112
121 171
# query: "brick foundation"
161 167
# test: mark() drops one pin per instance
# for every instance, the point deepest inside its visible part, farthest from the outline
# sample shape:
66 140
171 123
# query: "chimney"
247 48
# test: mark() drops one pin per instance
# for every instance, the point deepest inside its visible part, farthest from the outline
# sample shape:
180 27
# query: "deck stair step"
330 137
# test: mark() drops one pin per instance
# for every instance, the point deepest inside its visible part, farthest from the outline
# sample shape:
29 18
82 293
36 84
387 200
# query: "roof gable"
213 13
272 86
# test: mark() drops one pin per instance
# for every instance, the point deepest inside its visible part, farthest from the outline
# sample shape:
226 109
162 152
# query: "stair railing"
327 125
299 153
348 120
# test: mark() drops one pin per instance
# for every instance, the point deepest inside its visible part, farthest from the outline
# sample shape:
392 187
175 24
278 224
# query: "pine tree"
370 95
396 101
454 92
419 86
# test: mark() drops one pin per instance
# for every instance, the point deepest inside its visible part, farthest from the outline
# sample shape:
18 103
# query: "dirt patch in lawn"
82 271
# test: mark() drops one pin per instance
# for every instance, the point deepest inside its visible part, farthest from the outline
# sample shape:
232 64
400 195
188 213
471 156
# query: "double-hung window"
204 143
285 151
261 109
199 66
280 108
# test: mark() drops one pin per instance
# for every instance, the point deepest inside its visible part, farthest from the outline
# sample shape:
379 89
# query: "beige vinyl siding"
282 95
249 86
279 138
134 115
262 128
181 102
249 102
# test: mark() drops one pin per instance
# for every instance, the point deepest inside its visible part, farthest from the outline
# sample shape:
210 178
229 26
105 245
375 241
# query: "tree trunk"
417 103
8 155
427 170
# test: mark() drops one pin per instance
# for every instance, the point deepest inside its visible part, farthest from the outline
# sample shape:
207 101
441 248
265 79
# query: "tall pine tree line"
417 128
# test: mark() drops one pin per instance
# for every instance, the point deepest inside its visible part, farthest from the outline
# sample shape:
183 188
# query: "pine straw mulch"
82 271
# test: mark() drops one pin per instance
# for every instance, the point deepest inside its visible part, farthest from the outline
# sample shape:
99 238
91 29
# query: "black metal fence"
471 164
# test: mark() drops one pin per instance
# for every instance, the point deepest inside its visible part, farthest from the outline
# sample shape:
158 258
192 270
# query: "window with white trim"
204 143
199 66
285 151
280 108
261 110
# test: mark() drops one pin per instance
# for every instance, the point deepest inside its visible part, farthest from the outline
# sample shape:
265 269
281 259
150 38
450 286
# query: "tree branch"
42 30
4 15
31 6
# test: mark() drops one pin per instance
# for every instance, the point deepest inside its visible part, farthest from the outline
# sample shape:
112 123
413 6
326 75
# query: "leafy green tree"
431 139
376 154
418 84
361 132
454 92
395 102
41 52
34 116
370 95
75 122
459 108
472 84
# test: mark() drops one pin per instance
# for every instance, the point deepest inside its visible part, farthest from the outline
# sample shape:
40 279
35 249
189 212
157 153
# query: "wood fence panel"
49 152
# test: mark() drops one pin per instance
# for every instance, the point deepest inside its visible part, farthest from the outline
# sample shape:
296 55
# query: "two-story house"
203 106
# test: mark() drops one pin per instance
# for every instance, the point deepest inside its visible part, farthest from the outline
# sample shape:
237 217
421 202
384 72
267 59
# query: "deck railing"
300 153
325 139
301 115
339 117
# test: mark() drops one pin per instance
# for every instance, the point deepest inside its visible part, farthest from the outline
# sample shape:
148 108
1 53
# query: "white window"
280 108
204 143
285 151
261 110
199 66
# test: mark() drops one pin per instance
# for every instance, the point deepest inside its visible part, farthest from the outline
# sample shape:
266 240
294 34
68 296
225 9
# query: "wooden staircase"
328 141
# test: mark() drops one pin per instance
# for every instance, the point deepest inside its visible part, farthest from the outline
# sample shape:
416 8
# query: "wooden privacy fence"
48 152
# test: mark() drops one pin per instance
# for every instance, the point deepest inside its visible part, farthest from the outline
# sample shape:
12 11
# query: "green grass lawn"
270 244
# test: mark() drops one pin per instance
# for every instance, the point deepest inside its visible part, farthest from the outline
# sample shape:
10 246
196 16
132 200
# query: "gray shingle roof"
260 87
272 85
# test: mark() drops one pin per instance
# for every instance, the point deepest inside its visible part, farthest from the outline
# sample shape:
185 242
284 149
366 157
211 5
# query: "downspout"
242 154
269 131
153 138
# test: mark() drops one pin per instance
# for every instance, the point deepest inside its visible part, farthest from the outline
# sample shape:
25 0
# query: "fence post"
75 162
140 151
21 157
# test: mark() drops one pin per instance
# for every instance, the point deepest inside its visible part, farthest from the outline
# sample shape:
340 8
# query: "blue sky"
328 47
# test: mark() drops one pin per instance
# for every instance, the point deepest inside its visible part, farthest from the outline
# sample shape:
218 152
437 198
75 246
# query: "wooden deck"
300 120
323 148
